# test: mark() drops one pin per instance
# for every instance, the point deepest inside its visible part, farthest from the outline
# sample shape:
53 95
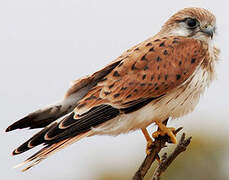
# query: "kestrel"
160 78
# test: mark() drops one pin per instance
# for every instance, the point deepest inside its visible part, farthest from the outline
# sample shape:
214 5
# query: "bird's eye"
191 23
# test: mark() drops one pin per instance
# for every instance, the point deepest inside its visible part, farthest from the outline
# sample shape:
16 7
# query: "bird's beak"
208 29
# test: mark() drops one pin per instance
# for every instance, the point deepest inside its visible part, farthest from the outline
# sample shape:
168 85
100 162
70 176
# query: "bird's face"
196 23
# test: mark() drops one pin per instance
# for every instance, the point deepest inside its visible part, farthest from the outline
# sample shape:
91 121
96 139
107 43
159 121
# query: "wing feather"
154 68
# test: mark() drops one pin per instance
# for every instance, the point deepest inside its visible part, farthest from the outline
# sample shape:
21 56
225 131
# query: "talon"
149 147
163 130
148 140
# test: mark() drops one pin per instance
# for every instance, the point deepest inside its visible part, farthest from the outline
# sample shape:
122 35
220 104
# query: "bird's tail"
51 149
43 117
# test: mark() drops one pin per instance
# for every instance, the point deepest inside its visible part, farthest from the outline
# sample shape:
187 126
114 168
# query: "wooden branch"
166 161
157 145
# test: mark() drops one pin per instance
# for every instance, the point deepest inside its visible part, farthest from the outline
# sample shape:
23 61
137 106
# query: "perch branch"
166 161
157 145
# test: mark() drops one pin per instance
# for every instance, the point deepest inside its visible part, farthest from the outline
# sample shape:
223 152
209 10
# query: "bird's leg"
148 140
163 130
149 143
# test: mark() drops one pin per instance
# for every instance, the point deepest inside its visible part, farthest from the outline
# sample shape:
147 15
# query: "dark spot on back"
162 44
166 76
165 52
128 96
178 76
152 77
116 95
116 74
156 88
124 88
135 90
175 41
158 58
144 76
144 58
146 67
142 84
106 93
156 40
136 49
159 77
155 84
193 60
151 49
149 44
180 62
111 86
133 67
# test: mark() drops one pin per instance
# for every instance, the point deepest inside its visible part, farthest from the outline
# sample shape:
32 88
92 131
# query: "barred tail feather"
49 150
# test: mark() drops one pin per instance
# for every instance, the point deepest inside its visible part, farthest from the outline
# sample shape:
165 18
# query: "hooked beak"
209 30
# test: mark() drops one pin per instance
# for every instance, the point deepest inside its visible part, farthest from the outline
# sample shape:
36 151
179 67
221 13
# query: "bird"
158 79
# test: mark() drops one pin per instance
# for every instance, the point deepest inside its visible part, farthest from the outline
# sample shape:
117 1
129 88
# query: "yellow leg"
149 143
148 140
163 130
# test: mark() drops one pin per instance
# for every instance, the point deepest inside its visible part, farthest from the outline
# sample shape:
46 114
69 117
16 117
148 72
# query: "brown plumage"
160 78
150 71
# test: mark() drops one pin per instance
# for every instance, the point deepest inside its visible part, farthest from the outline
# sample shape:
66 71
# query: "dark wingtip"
8 129
13 126
20 124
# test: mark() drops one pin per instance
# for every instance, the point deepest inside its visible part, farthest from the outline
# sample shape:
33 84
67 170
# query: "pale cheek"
203 37
180 32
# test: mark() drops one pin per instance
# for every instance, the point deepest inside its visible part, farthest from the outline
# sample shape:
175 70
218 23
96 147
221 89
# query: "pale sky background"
44 44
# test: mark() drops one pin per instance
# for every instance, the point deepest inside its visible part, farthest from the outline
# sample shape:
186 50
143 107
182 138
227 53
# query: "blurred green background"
203 159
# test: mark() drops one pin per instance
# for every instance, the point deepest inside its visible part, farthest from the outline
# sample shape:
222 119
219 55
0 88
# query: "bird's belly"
177 103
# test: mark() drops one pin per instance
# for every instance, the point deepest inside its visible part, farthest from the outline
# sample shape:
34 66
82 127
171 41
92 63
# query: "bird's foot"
149 146
163 131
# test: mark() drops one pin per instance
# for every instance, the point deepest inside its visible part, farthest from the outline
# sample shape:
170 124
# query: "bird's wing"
151 70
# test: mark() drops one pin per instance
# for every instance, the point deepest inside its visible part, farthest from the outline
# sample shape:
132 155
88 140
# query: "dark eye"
191 23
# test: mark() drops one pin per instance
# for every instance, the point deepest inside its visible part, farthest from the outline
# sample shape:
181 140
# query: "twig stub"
157 145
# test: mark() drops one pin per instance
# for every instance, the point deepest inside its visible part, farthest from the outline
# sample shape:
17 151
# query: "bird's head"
196 23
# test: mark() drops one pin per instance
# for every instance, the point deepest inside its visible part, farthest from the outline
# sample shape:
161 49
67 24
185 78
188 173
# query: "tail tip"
15 152
9 129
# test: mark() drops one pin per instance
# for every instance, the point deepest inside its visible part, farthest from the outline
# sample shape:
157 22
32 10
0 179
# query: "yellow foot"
163 130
